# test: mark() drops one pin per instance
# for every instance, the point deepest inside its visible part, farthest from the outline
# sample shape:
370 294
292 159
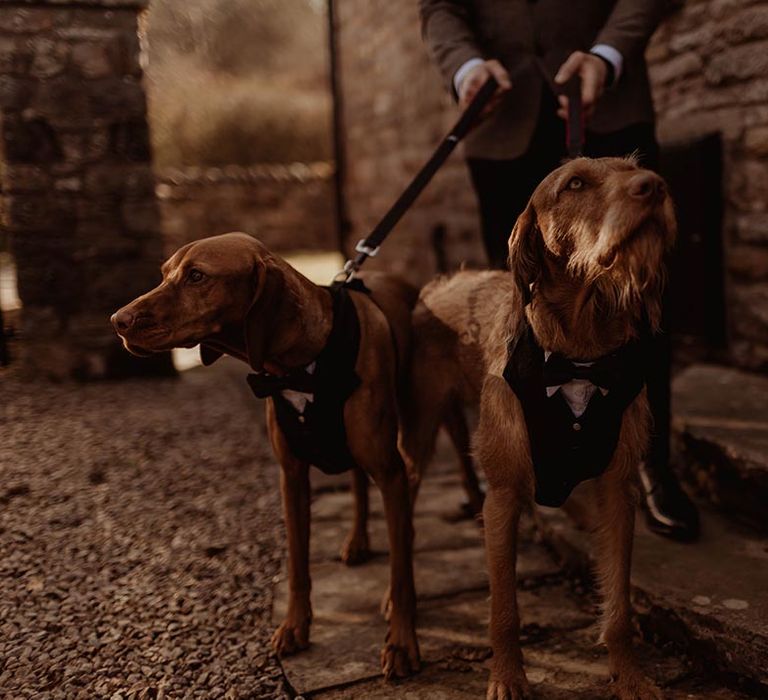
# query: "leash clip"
361 247
346 273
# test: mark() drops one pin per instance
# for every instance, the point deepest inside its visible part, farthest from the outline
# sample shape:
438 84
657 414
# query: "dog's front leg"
400 655
501 515
616 501
293 633
500 447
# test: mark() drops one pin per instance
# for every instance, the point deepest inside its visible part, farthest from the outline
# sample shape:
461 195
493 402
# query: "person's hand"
475 79
593 72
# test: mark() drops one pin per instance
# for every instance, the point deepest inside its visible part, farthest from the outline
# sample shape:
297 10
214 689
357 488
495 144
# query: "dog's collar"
263 384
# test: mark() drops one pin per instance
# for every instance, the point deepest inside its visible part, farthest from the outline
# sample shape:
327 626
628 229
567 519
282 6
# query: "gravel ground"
140 533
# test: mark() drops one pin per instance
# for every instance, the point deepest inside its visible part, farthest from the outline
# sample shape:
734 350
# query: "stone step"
721 428
709 598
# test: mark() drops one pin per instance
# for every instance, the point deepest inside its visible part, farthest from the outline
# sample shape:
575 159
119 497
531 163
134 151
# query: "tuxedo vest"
567 450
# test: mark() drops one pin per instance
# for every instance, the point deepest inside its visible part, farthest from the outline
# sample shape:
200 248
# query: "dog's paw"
400 661
635 686
515 688
355 550
290 638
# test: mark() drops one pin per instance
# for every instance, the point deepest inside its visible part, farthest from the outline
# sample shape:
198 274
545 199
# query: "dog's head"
209 285
605 223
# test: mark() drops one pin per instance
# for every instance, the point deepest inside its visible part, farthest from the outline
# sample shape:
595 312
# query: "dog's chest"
310 411
573 424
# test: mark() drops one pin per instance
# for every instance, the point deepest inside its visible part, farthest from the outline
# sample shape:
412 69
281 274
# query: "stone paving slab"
559 632
711 596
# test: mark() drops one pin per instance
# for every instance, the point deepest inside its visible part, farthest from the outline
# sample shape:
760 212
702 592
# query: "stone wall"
76 185
287 207
709 67
710 74
395 111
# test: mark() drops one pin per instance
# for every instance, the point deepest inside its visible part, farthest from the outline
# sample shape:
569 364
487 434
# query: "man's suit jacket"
532 38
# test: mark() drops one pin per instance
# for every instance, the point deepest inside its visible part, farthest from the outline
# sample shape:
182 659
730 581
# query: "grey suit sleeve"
631 24
447 31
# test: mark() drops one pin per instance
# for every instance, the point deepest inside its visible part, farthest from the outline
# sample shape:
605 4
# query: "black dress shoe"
668 510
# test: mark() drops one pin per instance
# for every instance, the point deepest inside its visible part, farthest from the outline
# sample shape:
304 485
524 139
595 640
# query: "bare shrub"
237 81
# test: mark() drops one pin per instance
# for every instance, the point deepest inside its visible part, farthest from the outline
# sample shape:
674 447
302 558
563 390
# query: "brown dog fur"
252 305
587 252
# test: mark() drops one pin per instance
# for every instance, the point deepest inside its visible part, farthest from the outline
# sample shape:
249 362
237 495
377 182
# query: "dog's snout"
122 320
646 186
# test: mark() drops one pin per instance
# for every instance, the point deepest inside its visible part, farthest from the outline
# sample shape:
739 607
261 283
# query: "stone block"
28 140
23 178
139 181
25 213
677 67
700 37
15 56
14 93
749 355
62 101
112 283
141 215
93 59
738 63
49 57
748 184
749 312
129 139
104 178
753 227
750 23
748 263
756 141
25 21
68 184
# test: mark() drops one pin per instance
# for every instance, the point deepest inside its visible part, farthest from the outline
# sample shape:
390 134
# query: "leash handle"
474 109
575 124
369 246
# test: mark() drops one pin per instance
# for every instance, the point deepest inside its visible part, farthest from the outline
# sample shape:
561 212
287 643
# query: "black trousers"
503 188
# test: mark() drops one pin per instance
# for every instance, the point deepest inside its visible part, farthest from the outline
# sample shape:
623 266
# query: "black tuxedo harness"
317 434
567 450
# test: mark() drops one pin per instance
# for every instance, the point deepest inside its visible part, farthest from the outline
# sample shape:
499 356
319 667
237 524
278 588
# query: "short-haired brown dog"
586 260
231 295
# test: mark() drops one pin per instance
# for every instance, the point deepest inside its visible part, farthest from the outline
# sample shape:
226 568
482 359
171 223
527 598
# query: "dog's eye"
194 276
575 183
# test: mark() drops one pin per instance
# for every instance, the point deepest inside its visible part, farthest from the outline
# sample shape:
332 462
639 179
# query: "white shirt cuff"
612 56
459 75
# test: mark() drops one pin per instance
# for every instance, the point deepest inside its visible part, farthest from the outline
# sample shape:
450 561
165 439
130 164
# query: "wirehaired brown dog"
231 295
554 354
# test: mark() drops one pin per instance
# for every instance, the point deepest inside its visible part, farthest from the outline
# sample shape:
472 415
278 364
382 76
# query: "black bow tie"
264 384
604 372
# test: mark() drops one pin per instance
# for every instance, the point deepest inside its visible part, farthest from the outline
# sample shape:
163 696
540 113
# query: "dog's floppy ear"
208 355
262 314
524 256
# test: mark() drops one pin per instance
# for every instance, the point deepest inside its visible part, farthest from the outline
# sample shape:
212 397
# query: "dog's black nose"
122 320
646 186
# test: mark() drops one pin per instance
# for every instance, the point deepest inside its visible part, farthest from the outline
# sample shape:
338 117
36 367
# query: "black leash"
369 246
574 134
